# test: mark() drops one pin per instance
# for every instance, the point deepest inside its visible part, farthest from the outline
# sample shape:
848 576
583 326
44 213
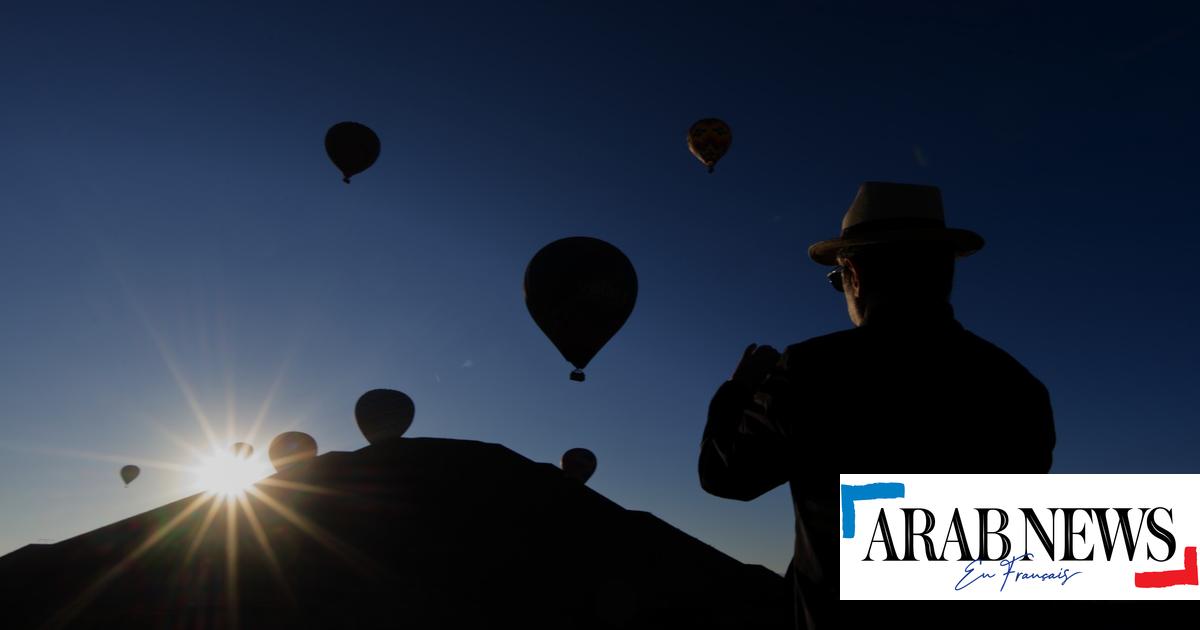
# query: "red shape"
1161 579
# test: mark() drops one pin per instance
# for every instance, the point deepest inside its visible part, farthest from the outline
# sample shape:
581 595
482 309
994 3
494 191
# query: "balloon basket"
577 376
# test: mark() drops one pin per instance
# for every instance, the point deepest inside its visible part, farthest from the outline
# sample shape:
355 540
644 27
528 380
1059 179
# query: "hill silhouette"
416 533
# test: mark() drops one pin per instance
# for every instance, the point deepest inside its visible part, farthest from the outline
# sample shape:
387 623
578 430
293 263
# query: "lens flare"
228 475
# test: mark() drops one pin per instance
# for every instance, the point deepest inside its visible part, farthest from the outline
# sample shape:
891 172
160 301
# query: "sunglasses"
835 279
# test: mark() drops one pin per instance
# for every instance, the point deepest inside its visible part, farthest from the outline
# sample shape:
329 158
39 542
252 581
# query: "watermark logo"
1020 536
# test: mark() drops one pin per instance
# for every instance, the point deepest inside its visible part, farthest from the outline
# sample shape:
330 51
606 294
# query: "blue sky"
170 218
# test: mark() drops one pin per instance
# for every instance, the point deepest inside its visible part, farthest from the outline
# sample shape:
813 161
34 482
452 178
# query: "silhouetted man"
907 390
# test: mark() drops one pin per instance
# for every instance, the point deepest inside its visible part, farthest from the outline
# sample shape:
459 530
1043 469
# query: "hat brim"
965 242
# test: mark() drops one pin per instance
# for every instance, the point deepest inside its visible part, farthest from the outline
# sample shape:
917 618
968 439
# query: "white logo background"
1096 579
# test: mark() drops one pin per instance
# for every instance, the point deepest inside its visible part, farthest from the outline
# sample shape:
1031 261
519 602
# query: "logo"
1020 536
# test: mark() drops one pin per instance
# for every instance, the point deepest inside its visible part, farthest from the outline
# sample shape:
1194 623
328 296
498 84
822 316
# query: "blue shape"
850 494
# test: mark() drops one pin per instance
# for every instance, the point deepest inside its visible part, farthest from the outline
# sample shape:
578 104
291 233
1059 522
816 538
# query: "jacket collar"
912 316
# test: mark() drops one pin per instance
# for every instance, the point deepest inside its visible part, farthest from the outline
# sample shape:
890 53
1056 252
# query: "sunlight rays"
188 392
98 457
231 559
229 475
300 486
264 543
174 438
265 408
67 613
199 537
263 514
193 539
350 555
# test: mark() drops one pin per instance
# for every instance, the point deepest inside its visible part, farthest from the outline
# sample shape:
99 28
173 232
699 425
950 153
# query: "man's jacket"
903 393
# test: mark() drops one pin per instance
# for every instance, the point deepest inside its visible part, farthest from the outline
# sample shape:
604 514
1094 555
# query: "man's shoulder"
842 345
998 355
828 341
822 348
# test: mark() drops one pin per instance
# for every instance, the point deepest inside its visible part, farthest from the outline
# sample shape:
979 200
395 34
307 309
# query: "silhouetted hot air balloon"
708 140
352 146
129 472
384 414
242 450
580 291
579 463
291 447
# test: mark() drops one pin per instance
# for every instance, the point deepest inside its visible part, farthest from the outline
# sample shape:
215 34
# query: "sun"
228 475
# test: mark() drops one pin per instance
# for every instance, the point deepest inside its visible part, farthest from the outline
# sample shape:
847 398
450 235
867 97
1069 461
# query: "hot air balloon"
580 291
708 140
352 146
242 450
579 464
384 414
291 447
129 472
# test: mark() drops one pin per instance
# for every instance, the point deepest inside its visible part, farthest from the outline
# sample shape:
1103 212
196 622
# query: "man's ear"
851 281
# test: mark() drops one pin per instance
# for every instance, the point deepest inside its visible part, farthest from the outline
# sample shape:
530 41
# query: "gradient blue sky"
170 217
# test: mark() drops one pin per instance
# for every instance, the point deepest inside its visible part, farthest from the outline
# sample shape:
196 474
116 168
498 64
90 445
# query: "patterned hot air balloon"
352 146
384 414
708 140
580 291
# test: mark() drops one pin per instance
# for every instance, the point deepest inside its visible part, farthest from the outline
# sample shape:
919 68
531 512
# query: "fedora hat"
883 212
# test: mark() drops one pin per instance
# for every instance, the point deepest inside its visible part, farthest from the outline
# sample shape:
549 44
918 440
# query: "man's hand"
756 363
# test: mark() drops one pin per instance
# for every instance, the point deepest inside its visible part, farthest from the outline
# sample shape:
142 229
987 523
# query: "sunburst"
227 475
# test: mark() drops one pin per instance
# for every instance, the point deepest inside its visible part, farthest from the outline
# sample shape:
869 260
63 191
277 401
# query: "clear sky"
175 242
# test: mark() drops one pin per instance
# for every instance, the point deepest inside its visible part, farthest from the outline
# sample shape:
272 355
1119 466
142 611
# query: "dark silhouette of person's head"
895 252
910 276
